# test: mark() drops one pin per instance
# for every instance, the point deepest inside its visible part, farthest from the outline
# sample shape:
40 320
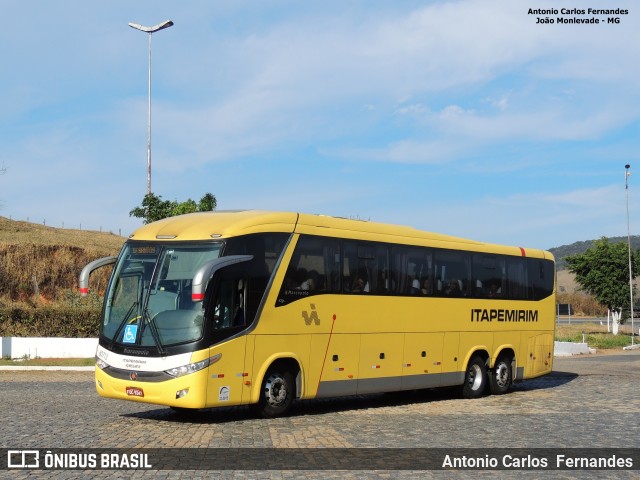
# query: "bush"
582 304
69 321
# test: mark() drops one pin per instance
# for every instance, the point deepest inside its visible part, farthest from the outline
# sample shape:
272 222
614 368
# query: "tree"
603 272
207 203
153 208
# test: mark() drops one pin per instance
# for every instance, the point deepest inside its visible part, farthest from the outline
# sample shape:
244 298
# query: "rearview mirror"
206 272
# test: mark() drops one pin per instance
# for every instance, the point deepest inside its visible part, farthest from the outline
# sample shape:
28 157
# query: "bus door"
229 375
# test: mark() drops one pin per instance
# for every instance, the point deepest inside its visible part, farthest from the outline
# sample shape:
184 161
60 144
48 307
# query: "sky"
463 117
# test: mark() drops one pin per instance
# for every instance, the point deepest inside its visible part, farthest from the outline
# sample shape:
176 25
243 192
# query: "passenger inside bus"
311 281
453 289
425 288
494 291
360 283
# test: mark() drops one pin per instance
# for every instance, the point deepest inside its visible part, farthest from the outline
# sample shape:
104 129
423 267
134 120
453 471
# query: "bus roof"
219 224
232 223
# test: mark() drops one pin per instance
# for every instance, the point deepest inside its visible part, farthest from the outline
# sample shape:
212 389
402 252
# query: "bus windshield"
148 302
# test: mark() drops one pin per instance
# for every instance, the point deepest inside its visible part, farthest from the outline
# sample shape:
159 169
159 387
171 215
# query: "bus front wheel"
475 378
277 394
501 376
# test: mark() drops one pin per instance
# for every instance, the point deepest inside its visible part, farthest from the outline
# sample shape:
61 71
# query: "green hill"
580 247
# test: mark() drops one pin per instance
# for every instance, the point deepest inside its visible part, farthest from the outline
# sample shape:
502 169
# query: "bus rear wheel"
277 394
475 378
501 376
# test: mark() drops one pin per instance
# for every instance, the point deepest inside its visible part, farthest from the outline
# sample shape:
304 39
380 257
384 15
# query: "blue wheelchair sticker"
130 334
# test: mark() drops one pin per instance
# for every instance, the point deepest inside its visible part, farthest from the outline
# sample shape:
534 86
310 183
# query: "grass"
595 336
49 362
15 232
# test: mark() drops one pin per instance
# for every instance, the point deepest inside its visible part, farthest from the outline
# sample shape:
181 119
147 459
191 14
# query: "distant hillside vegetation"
580 247
48 260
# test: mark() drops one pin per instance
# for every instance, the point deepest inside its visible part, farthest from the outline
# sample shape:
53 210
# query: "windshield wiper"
122 324
146 318
154 331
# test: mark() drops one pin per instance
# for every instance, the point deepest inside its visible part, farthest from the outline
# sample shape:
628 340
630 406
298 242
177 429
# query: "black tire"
501 375
277 393
475 378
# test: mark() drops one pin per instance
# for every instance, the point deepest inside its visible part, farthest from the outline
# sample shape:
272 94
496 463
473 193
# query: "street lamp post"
150 31
626 186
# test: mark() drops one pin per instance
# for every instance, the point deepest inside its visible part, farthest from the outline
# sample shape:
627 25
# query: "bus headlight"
101 364
193 367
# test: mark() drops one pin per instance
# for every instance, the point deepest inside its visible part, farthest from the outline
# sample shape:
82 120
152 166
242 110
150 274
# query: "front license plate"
134 392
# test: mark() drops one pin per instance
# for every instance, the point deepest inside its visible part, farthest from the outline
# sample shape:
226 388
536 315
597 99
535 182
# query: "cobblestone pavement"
589 401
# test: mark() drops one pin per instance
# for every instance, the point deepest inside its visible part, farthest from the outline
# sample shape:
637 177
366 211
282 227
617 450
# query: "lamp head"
155 28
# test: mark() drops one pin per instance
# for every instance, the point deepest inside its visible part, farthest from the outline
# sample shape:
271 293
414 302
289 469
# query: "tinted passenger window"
328 265
412 270
452 273
314 269
517 281
541 277
265 248
489 276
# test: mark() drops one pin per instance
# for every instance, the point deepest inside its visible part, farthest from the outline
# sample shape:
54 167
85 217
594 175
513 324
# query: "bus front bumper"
188 391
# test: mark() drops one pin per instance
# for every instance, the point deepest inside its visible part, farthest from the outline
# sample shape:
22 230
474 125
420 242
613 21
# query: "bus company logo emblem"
133 376
308 319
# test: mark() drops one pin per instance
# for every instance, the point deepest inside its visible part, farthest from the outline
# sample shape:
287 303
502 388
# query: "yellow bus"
254 307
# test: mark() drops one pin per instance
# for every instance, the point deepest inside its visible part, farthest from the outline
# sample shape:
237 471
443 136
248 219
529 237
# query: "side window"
265 248
365 268
452 273
358 269
412 270
273 246
229 305
313 270
517 281
382 284
541 277
489 276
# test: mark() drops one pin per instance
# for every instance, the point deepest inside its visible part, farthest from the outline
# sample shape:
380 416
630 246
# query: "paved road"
589 401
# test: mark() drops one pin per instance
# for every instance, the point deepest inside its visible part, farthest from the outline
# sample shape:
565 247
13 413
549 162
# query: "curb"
567 349
12 368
